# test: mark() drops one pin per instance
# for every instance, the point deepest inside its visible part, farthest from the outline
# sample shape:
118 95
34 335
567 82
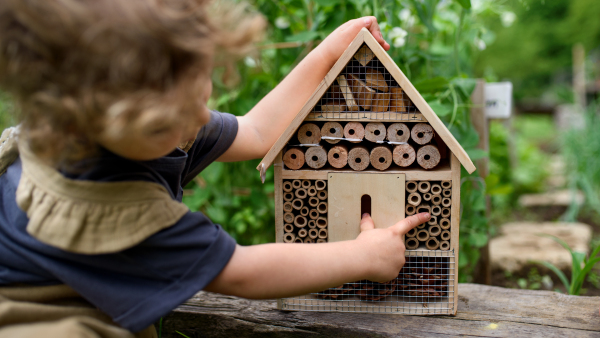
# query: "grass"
7 116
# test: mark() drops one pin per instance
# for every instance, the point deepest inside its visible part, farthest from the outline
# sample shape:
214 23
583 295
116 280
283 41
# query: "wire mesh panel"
365 90
425 286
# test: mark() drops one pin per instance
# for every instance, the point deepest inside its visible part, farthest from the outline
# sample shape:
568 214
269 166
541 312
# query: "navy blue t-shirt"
138 285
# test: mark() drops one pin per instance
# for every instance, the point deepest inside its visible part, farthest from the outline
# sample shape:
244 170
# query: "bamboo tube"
423 208
446 184
288 227
436 189
446 212
404 155
447 193
432 220
381 158
305 184
302 233
321 240
436 210
414 199
411 243
397 102
375 80
311 191
322 208
322 195
445 236
338 156
381 102
289 238
304 211
354 130
347 93
421 226
424 186
300 221
287 186
446 202
297 204
308 240
301 193
411 186
297 184
313 214
332 129
321 222
288 207
333 106
427 197
375 131
358 158
398 132
422 133
434 230
316 157
323 233
436 199
312 224
411 233
432 243
362 93
428 156
410 210
423 235
309 133
294 158
445 223
298 240
313 233
320 184
313 201
288 217
444 245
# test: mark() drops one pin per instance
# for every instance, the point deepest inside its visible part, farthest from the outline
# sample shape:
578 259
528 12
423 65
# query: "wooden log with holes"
347 93
375 80
338 156
332 129
309 133
364 55
355 131
428 157
381 158
381 102
397 101
404 155
422 133
358 158
375 132
316 157
398 132
362 93
294 158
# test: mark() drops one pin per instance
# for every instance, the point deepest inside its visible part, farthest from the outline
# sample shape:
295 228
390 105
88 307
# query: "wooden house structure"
367 141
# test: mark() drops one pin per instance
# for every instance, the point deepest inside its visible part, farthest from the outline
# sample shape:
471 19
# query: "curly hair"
79 68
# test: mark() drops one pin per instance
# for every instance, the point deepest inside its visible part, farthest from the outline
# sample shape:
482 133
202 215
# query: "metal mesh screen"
365 90
425 285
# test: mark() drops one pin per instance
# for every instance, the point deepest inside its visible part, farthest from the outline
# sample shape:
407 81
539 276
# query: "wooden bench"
483 311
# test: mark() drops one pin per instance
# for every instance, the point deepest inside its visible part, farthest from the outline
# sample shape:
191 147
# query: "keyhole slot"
365 205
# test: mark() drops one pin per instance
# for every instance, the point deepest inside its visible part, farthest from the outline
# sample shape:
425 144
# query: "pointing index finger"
410 222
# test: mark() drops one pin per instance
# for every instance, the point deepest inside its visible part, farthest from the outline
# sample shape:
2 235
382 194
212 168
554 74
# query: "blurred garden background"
443 46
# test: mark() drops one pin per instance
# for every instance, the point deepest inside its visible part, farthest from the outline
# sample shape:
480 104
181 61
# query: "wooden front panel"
387 192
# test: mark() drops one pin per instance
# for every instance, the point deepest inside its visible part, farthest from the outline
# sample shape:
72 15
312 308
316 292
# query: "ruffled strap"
8 148
91 217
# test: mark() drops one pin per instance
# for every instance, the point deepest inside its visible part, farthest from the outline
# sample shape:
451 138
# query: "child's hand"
337 42
384 249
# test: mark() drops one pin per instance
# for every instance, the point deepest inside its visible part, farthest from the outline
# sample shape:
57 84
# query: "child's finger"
366 223
410 222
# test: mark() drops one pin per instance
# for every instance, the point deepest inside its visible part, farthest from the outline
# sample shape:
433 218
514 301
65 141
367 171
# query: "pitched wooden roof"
364 36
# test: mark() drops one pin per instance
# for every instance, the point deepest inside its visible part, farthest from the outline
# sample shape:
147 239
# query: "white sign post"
498 100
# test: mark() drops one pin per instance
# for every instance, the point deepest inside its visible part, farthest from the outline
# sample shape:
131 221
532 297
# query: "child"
112 95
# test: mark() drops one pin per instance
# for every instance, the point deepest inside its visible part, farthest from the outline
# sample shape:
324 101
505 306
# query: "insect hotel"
367 141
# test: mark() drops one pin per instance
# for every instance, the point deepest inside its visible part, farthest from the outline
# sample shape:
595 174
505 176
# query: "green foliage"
7 112
581 266
535 281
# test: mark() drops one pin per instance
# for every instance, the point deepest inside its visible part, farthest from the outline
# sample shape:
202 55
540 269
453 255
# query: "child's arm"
262 126
285 270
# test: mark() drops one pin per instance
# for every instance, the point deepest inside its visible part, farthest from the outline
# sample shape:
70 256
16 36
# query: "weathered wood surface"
483 311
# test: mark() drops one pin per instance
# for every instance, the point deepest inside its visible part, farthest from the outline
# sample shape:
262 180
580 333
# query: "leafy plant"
581 266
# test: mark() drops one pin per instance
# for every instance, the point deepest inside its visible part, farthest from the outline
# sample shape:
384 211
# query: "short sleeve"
212 141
